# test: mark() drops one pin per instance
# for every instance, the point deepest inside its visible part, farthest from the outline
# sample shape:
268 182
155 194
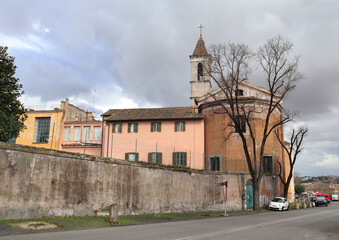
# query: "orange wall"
26 136
231 150
167 141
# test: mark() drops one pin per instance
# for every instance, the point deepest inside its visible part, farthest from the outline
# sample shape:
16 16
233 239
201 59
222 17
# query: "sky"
104 54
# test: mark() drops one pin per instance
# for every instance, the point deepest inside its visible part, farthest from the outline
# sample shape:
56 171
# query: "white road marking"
251 226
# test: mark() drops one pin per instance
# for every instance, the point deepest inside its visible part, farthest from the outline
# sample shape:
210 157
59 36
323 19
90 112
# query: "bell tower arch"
200 79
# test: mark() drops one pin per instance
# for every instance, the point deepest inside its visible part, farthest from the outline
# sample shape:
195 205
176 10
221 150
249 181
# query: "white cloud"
329 160
13 43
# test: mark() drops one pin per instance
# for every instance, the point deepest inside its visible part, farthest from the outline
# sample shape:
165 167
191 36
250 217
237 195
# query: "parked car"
313 198
321 200
279 203
335 197
326 195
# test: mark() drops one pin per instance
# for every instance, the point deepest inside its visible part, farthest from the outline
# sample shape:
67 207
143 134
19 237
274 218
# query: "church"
192 136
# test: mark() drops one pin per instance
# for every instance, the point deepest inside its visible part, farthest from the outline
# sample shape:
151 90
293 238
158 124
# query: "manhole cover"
34 225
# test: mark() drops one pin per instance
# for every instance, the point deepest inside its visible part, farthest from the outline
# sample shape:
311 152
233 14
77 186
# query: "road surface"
315 223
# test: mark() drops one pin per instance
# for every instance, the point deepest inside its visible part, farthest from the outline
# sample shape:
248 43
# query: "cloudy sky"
104 54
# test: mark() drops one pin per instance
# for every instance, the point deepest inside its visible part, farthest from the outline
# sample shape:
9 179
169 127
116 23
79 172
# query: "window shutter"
152 126
129 127
136 157
183 126
149 157
113 128
159 126
185 158
176 127
174 158
126 156
136 127
160 158
120 128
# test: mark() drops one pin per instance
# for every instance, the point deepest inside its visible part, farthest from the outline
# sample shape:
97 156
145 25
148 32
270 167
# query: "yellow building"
44 127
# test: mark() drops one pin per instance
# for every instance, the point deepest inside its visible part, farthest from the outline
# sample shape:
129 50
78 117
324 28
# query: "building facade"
170 136
50 128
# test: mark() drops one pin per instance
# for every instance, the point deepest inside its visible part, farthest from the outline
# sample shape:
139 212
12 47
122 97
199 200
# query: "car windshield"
277 200
320 198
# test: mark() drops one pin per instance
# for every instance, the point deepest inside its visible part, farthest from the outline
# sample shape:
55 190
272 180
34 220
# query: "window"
268 164
42 130
179 127
132 156
155 127
155 157
117 128
179 158
97 134
200 72
77 133
239 92
241 121
87 134
132 127
67 133
214 163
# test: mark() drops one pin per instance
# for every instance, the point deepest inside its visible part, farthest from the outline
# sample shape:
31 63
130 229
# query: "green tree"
299 189
12 111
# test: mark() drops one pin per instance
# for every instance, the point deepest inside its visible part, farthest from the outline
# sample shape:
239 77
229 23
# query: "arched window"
200 72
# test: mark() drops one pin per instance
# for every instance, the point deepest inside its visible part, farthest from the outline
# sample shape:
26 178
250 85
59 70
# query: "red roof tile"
150 114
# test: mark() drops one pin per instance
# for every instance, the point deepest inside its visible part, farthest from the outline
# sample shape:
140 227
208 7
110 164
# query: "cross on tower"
201 27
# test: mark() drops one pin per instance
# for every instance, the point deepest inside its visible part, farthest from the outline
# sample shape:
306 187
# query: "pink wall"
93 147
167 141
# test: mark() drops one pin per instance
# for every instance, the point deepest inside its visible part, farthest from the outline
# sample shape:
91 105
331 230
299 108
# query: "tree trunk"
256 193
286 186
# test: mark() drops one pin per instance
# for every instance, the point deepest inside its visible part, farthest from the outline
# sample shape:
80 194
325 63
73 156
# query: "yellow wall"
26 137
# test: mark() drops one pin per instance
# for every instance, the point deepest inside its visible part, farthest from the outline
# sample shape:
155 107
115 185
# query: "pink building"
82 137
169 136
80 133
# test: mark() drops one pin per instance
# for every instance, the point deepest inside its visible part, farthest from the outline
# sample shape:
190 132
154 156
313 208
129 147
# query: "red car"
326 195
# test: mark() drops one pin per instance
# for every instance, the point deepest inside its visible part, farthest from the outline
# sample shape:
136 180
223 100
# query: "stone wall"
40 183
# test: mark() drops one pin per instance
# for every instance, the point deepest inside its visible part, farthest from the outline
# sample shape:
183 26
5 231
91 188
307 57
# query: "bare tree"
293 148
229 67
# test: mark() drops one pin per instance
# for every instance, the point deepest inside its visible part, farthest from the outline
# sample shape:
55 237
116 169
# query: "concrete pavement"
314 223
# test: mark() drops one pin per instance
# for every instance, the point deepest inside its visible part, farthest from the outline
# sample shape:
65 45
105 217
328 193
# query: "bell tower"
200 79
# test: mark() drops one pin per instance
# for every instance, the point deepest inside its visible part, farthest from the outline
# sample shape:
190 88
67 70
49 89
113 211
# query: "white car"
279 203
335 197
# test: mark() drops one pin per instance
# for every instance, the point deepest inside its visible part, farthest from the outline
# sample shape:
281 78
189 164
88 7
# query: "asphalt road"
315 223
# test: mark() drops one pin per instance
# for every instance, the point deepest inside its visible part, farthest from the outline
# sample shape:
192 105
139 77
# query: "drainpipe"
52 135
107 140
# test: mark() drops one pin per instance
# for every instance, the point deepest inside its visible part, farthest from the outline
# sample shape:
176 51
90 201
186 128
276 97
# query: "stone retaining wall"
40 184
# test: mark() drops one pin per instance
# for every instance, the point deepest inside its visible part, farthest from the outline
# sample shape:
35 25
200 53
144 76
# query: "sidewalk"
78 223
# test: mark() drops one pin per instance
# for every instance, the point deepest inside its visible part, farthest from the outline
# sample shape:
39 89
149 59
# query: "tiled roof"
150 114
200 49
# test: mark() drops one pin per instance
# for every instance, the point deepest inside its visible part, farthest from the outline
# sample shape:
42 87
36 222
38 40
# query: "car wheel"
326 205
282 208
288 208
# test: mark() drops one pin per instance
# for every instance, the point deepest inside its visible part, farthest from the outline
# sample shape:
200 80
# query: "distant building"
45 128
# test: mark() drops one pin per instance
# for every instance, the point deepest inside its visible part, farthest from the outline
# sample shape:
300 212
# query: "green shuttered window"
133 127
156 127
155 157
179 127
132 156
117 128
179 158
